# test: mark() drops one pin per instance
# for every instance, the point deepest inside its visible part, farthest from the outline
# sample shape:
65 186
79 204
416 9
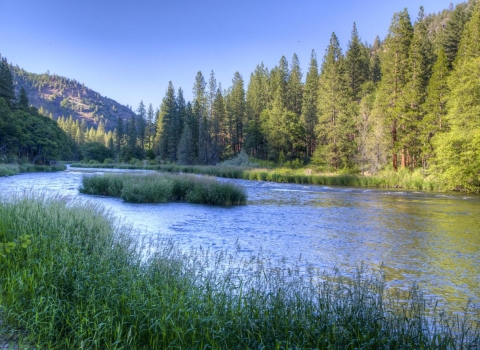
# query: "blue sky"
130 50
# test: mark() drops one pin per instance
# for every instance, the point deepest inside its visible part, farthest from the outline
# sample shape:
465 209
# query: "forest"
25 134
409 101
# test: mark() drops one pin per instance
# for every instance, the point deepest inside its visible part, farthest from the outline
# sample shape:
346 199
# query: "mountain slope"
60 96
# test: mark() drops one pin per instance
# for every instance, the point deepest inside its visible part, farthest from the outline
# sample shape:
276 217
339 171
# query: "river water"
428 238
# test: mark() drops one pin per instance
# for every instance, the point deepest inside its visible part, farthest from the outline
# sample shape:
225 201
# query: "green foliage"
95 151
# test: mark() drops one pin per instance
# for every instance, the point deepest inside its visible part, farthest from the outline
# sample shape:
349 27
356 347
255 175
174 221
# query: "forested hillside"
407 101
57 96
25 134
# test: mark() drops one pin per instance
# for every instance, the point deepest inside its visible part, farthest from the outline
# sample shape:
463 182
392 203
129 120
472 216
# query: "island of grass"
161 188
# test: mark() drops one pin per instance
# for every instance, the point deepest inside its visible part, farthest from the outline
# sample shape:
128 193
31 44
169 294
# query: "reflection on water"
429 238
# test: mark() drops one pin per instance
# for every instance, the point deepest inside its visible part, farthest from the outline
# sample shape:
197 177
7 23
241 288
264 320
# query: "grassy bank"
161 188
389 179
83 284
13 169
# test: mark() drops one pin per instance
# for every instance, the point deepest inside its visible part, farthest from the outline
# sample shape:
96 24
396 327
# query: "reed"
8 169
161 188
85 283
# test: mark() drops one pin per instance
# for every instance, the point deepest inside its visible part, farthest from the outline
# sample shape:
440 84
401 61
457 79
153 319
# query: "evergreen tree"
453 31
119 135
335 127
186 152
257 100
294 87
356 64
23 99
391 103
309 105
421 59
150 127
200 112
165 138
375 63
236 111
435 105
141 116
6 83
218 131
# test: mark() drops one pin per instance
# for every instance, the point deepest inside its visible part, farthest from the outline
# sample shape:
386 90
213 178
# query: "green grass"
13 169
84 283
161 188
387 179
8 169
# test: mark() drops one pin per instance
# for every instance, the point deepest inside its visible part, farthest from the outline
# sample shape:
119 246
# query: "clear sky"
130 50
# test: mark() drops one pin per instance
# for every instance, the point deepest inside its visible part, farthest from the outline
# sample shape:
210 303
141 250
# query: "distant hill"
60 96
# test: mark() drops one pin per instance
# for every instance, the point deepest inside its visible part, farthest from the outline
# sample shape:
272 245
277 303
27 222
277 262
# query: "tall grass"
387 179
84 283
13 169
9 169
161 188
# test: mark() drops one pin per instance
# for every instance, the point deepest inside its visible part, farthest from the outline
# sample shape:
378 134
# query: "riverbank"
85 283
401 179
14 169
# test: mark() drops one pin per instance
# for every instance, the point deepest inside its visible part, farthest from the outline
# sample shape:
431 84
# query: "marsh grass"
85 283
388 179
13 169
161 188
9 169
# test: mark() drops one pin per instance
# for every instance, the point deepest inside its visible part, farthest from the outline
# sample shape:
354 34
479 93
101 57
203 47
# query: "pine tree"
141 116
391 102
421 59
119 135
375 63
165 139
356 64
218 131
7 90
23 99
200 112
236 112
150 127
435 105
335 126
186 152
453 31
257 100
294 87
309 105
279 77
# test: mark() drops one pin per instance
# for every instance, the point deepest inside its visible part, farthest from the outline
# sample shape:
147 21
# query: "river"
428 238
